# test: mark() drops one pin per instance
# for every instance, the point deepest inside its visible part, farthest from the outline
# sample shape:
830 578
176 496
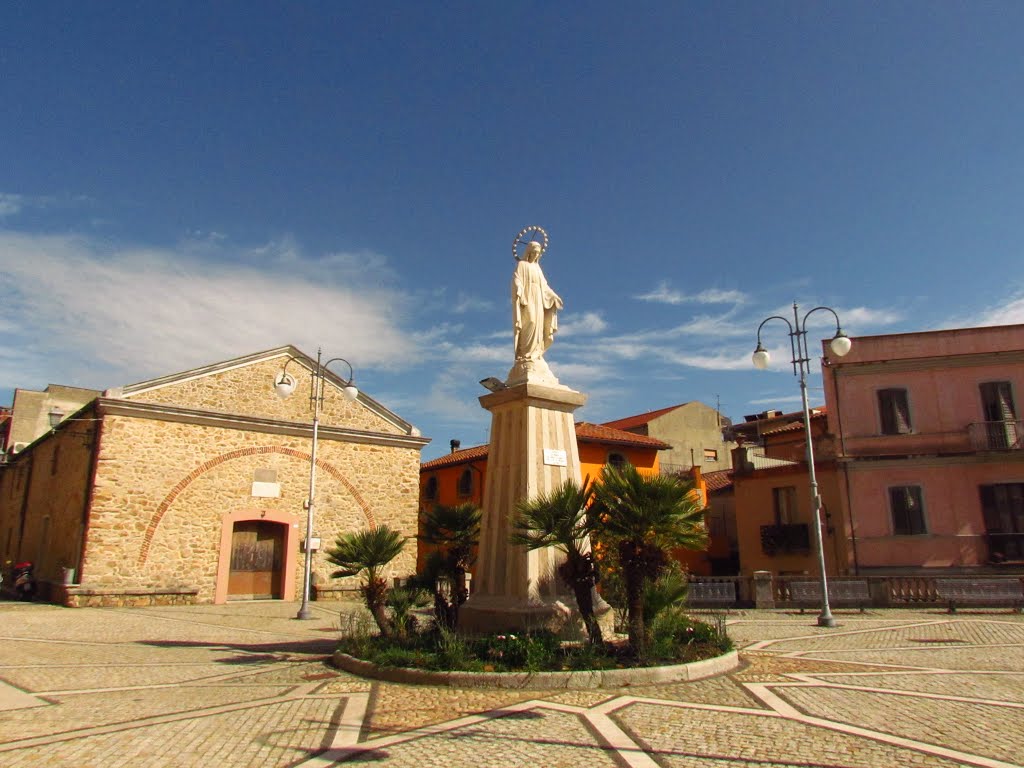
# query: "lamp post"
801 359
284 385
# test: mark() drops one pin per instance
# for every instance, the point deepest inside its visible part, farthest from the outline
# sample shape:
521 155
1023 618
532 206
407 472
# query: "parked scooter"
24 580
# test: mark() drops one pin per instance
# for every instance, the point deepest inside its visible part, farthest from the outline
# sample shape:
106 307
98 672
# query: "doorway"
257 554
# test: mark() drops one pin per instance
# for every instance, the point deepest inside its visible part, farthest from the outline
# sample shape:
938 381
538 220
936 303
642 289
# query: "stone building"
191 487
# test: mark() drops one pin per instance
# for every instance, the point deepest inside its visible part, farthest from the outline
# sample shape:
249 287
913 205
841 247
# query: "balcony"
1005 547
996 435
786 539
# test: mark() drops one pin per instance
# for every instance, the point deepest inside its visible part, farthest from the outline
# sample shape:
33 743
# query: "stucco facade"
156 480
928 432
693 431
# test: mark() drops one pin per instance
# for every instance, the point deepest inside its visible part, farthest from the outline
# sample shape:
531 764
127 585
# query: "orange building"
772 499
459 477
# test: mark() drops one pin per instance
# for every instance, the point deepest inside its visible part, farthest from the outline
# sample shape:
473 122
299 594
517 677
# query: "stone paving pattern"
248 685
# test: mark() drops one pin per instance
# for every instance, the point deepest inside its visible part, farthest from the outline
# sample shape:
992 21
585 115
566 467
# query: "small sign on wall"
266 490
555 458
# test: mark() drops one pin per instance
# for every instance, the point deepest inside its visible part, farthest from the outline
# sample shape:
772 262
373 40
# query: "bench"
719 593
980 592
808 593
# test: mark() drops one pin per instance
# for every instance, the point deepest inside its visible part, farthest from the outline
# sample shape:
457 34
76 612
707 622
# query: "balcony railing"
792 539
996 435
1005 547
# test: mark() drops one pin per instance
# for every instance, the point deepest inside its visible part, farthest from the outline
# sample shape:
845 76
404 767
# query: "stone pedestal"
764 593
532 451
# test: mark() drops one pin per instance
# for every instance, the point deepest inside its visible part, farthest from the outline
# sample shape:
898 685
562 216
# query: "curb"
578 680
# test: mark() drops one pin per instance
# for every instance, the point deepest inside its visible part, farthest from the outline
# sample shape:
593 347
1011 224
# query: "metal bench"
808 593
712 593
980 592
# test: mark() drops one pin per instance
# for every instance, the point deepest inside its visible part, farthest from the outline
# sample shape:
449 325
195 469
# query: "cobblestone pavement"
247 685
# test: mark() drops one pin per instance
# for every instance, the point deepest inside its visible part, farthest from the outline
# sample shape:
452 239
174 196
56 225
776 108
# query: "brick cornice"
931 362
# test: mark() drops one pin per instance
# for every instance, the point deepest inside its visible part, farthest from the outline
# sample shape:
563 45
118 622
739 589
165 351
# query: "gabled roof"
719 480
793 426
288 351
631 422
602 433
464 456
585 433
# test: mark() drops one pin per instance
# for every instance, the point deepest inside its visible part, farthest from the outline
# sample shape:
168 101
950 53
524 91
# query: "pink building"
928 441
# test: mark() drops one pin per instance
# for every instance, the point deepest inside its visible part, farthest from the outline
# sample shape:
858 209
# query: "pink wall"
941 371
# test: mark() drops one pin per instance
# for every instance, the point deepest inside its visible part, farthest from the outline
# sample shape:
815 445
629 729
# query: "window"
465 485
894 411
907 510
1002 507
710 454
54 460
784 504
997 401
616 460
430 488
1000 415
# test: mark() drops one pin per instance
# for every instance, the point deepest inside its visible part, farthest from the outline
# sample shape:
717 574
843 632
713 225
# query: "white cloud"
714 361
855 317
466 303
10 205
1009 312
588 322
665 295
116 314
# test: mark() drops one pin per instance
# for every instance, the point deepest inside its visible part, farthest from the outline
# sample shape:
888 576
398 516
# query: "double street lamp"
801 359
284 385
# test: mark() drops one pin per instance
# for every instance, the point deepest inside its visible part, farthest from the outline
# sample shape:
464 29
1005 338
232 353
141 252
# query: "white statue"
534 306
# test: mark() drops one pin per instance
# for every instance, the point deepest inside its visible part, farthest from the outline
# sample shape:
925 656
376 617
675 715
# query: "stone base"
533 372
487 615
86 597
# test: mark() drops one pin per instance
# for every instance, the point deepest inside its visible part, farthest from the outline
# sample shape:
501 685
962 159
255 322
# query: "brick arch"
206 466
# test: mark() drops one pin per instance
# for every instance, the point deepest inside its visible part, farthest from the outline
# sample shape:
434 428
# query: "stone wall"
163 488
50 482
249 390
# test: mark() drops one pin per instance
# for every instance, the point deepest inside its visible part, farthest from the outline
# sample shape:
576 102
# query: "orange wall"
593 457
755 507
448 495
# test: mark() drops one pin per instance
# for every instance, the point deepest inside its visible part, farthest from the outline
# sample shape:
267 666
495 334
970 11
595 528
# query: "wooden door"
257 549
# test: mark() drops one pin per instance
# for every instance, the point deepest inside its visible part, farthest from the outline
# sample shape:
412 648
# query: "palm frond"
367 550
555 519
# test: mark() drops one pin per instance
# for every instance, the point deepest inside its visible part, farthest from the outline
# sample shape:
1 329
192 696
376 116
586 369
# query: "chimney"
455 445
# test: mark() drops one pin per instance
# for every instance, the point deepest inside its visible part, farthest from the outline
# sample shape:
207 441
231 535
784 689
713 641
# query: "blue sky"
182 183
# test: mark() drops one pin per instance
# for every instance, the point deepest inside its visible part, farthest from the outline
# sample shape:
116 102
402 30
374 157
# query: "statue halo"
522 238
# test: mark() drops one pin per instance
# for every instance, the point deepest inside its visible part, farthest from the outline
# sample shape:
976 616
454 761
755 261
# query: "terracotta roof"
644 418
585 432
457 457
718 481
602 433
793 426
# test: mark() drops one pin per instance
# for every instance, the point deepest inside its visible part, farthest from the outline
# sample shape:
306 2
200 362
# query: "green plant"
403 601
367 552
560 519
531 651
646 517
455 532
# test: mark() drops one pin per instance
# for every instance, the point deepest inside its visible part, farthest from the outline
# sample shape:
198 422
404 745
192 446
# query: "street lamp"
801 359
284 385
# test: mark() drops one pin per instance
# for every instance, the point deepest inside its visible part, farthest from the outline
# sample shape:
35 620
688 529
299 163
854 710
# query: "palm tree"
455 531
560 519
647 516
369 551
